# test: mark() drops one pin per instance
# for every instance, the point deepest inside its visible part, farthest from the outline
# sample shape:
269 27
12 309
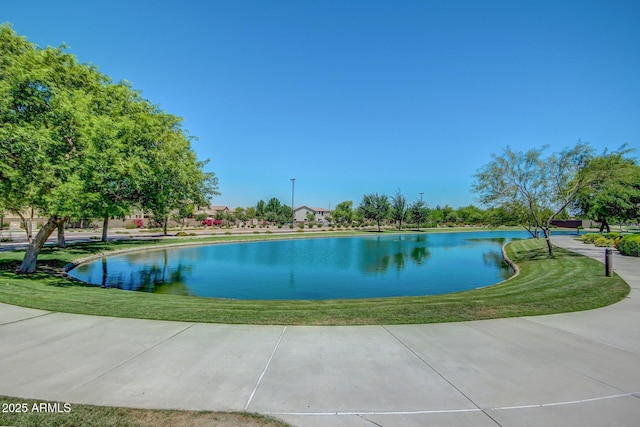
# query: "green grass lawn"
567 282
20 412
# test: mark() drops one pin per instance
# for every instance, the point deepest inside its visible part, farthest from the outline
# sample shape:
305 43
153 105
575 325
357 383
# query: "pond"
371 266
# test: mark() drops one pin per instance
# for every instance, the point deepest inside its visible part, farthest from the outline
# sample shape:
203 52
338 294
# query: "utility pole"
293 214
421 196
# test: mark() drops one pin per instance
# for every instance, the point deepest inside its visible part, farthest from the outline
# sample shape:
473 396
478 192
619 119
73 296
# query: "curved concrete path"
578 369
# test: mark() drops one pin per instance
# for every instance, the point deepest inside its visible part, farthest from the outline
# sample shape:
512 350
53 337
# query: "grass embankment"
564 283
103 416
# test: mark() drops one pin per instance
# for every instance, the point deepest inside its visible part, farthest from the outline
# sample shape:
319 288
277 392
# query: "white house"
300 213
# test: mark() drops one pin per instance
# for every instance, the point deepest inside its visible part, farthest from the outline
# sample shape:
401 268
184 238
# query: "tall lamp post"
293 214
420 215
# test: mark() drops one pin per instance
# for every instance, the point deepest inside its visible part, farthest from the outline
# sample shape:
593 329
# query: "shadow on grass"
90 248
532 255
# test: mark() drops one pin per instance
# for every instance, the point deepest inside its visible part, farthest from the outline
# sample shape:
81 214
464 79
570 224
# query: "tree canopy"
535 189
73 144
399 208
343 213
273 211
375 207
617 196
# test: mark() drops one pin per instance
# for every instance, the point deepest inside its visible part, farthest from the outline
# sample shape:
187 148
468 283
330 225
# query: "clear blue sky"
354 97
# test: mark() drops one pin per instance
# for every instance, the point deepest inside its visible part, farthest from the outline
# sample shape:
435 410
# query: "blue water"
313 269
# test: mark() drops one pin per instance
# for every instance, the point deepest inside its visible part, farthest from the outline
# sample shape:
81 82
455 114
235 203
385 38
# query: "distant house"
320 214
223 209
213 210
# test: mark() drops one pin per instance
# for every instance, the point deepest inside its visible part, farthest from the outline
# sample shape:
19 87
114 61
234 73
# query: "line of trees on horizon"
392 211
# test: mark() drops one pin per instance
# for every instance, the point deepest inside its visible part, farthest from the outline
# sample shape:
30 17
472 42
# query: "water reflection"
353 267
495 259
156 274
378 254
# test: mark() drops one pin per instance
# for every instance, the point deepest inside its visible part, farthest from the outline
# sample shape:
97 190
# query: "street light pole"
293 214
420 210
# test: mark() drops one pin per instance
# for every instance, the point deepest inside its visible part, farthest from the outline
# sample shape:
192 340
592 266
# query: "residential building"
320 214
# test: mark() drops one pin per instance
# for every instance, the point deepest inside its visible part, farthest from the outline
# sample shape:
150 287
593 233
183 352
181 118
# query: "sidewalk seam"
124 362
26 318
415 353
264 370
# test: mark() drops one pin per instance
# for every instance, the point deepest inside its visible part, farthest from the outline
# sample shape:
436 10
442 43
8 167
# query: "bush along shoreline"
627 244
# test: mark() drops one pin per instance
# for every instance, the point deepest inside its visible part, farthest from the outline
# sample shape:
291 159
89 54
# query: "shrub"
591 237
613 235
182 233
630 245
585 238
603 242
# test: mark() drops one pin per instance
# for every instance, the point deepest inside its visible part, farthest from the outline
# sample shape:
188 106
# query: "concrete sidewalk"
577 369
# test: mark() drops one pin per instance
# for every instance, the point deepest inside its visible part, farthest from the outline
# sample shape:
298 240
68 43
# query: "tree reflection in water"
381 253
495 258
157 277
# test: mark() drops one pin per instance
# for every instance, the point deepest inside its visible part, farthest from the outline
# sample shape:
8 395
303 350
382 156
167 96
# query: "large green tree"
343 213
45 109
115 165
273 211
617 196
174 175
543 186
73 144
399 208
418 211
375 207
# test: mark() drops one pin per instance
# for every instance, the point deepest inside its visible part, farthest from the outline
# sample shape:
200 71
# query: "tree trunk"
33 250
165 225
62 243
547 236
105 227
533 235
